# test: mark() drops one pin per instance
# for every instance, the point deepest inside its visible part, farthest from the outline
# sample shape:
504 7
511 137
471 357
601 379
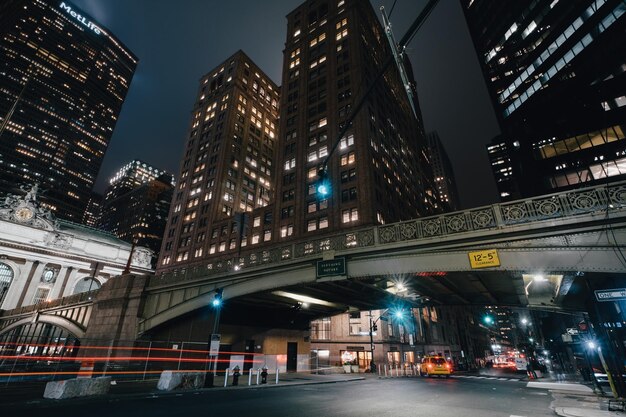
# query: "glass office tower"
63 80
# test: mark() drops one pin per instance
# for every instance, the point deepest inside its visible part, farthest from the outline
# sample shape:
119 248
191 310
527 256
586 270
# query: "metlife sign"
617 294
80 18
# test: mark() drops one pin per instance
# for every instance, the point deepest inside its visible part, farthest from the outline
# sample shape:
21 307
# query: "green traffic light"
323 190
488 319
323 185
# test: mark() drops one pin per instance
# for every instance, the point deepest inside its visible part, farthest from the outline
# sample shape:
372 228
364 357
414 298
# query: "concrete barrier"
77 387
171 380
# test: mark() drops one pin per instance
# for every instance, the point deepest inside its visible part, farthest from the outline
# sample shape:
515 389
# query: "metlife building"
63 80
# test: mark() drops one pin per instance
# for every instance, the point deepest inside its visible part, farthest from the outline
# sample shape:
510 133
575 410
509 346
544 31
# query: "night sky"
179 41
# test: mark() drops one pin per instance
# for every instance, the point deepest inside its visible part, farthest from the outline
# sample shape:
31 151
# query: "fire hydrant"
236 374
264 375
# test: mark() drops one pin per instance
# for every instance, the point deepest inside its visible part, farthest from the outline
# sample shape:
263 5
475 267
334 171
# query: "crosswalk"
495 378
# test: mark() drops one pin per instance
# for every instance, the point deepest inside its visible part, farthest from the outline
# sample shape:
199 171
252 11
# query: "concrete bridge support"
114 318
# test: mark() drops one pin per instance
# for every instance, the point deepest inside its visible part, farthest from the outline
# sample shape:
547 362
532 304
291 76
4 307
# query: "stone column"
28 290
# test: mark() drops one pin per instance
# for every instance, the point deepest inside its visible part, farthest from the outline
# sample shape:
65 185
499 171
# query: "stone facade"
43 258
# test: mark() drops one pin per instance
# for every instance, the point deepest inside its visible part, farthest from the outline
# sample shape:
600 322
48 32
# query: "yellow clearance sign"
484 259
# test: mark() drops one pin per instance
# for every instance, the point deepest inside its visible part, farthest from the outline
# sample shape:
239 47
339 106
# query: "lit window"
350 215
286 230
346 141
348 159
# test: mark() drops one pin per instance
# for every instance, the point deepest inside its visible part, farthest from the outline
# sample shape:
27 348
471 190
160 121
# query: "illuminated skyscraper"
241 158
227 167
136 204
379 171
556 72
63 80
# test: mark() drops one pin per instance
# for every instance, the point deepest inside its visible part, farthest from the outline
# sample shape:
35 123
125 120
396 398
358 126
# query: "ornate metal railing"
568 204
79 298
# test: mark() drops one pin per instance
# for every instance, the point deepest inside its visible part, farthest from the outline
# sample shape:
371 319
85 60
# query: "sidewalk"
573 399
33 392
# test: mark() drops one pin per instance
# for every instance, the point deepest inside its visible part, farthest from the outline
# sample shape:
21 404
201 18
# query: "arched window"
6 277
86 284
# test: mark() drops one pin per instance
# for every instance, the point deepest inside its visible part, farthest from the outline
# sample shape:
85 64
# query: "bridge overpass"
539 251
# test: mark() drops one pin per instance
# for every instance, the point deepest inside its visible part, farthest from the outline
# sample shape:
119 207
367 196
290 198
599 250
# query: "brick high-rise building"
63 80
227 166
236 162
379 172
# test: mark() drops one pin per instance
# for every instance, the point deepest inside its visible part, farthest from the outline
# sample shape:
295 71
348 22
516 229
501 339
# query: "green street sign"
331 267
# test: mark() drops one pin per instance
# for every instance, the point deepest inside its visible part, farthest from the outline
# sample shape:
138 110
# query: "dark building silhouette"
63 80
136 204
556 74
443 173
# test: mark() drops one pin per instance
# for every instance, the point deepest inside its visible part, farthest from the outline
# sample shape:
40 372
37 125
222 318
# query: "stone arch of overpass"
232 288
553 253
54 320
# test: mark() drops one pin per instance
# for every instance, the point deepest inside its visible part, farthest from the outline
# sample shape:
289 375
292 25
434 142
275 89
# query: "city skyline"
449 84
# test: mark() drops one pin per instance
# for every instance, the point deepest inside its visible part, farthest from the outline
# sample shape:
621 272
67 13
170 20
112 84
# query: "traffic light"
217 298
323 184
488 320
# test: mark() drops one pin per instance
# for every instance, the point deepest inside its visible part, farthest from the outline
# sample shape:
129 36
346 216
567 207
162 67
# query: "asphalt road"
401 397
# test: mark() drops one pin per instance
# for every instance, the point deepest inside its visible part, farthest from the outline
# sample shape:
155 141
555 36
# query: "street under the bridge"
400 397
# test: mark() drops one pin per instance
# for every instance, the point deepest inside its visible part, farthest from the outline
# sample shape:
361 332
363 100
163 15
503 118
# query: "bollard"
379 370
249 376
397 371
385 370
226 377
276 376
236 375
258 375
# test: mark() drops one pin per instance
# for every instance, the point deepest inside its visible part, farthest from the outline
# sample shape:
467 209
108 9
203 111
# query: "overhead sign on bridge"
331 267
484 259
616 294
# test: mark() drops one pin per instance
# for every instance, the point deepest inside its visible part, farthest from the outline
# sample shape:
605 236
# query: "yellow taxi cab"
435 365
